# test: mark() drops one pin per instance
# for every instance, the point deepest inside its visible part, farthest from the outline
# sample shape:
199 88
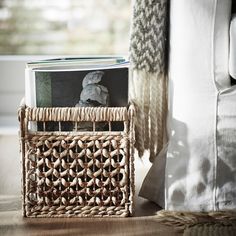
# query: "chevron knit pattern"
147 74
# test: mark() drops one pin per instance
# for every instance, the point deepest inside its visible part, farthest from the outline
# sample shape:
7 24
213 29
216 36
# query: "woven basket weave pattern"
69 174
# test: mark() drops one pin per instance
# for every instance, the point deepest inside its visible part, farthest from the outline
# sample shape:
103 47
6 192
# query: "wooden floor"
13 224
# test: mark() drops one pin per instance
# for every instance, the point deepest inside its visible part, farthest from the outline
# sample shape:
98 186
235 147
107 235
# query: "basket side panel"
77 175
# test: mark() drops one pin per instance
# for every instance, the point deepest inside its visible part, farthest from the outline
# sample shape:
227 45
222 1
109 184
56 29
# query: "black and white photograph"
102 87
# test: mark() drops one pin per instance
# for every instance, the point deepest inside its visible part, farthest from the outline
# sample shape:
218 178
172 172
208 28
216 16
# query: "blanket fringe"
148 94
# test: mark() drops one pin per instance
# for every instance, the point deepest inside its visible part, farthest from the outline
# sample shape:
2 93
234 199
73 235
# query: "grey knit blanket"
148 73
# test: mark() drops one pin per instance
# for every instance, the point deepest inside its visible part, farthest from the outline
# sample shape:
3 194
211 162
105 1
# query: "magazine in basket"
77 82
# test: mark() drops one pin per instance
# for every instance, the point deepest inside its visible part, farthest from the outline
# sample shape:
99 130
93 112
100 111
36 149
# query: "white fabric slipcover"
232 51
200 162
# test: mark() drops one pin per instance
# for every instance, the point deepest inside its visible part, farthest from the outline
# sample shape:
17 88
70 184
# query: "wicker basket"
77 173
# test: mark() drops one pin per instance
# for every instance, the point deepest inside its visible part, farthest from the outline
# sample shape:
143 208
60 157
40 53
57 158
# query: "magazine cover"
68 88
82 85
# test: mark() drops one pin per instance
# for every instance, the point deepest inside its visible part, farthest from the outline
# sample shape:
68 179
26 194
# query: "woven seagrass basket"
77 173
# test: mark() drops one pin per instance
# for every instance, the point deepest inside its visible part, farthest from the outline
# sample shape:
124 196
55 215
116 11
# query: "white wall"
11 93
10 171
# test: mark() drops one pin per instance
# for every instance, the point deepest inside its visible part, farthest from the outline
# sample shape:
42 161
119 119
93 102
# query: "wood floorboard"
13 224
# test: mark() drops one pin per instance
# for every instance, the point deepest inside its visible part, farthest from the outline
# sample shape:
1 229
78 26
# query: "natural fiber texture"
198 223
211 229
72 114
147 74
69 174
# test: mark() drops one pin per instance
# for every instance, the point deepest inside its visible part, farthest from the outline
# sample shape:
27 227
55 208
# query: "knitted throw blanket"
147 76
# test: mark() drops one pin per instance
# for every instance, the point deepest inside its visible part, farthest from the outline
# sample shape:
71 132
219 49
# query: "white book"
76 62
30 90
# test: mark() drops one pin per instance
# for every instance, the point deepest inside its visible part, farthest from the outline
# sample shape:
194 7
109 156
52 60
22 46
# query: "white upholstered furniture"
197 172
232 51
